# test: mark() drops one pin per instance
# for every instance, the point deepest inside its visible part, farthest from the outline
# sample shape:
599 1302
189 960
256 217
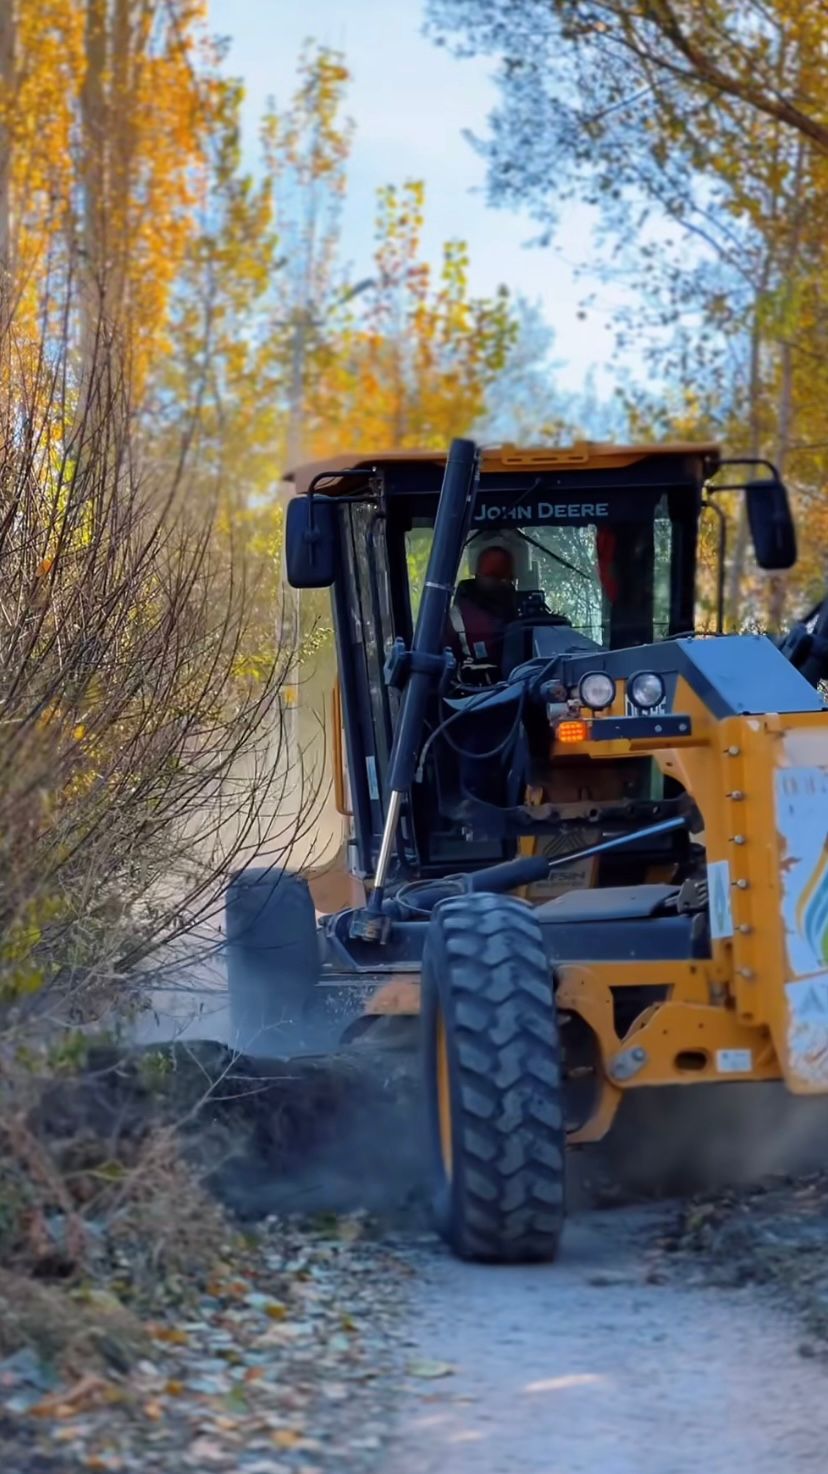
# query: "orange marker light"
574 731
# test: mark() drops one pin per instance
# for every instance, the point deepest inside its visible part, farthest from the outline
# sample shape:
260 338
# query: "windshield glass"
610 581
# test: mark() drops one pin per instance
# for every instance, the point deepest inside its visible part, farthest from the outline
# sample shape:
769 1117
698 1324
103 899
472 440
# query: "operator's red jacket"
477 623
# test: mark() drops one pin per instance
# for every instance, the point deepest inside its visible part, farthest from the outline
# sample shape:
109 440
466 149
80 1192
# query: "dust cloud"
678 1141
187 995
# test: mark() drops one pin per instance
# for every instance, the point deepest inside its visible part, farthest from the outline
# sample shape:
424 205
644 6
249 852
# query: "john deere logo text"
541 512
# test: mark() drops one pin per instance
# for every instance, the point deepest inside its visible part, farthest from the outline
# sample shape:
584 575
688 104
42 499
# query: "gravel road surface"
603 1364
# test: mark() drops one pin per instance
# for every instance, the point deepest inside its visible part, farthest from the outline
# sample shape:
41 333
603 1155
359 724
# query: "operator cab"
602 544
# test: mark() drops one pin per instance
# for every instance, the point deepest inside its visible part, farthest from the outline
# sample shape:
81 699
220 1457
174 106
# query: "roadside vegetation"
178 325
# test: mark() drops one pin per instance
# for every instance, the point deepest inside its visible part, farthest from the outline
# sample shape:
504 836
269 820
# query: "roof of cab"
587 455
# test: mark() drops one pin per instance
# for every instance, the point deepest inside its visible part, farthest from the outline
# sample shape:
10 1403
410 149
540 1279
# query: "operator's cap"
496 563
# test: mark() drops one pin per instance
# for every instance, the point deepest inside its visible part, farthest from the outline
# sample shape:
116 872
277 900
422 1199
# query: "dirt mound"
774 1234
312 1134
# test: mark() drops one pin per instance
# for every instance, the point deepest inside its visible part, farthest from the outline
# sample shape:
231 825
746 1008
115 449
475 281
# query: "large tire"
493 1088
272 959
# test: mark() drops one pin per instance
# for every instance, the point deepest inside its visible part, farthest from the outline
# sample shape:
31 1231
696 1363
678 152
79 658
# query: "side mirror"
771 524
311 542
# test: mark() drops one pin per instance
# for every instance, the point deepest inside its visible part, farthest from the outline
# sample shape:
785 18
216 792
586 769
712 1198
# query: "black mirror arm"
740 461
812 648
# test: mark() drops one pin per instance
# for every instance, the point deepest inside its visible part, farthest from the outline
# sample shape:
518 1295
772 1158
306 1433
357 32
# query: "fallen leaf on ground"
350 1229
86 1391
286 1438
429 1369
171 1335
205 1448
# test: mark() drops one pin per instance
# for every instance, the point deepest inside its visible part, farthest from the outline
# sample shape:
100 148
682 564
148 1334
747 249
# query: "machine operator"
483 606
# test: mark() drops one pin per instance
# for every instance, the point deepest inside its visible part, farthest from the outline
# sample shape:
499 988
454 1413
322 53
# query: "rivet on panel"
739 839
732 751
742 885
746 972
736 795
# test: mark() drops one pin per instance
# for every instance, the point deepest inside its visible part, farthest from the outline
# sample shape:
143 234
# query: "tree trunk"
778 583
291 623
94 180
740 547
778 588
8 24
121 143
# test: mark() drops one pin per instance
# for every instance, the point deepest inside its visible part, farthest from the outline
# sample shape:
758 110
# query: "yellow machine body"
758 1008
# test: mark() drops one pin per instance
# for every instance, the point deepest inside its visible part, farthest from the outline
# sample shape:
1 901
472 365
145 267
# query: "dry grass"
75 1331
97 1226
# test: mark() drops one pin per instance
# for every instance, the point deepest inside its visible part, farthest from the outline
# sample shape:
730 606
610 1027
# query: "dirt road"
587 1368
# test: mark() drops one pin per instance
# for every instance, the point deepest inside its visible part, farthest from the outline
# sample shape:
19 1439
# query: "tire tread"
485 957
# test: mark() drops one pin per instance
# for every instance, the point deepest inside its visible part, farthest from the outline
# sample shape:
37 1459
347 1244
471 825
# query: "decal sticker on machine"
718 889
371 769
808 1029
802 823
562 505
802 820
734 1061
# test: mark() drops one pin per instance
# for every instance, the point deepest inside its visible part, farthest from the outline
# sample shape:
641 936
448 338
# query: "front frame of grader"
756 1007
706 970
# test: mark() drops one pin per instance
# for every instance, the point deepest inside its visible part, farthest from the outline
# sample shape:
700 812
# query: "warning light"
574 731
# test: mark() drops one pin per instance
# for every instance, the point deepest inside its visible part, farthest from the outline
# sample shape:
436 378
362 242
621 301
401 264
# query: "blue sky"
410 102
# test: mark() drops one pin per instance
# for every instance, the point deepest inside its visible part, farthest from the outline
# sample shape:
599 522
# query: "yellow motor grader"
593 842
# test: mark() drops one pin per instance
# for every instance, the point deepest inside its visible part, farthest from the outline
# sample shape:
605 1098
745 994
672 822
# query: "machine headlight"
646 690
596 690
